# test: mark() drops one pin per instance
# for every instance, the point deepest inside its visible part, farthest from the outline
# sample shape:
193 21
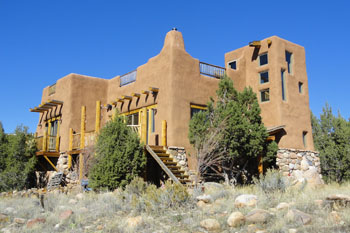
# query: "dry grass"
171 209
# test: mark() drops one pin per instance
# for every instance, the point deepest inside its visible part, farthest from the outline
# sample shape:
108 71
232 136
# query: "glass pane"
129 119
263 59
265 95
289 61
283 85
264 77
135 119
233 65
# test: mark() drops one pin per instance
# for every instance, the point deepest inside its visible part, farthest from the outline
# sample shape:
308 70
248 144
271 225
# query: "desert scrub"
271 182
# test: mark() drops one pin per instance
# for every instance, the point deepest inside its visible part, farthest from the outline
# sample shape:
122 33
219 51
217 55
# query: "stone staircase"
168 164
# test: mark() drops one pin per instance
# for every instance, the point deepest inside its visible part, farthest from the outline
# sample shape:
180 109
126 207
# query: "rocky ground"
211 207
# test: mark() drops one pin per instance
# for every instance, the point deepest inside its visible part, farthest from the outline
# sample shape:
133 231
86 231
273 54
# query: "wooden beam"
271 138
153 89
48 160
255 43
137 95
120 100
56 102
126 97
145 92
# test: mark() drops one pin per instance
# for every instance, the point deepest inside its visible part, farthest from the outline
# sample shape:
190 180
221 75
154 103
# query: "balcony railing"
136 128
76 141
128 78
47 143
211 70
90 138
52 89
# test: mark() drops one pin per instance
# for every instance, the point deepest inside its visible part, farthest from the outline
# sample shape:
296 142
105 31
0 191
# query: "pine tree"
230 135
20 161
119 156
332 139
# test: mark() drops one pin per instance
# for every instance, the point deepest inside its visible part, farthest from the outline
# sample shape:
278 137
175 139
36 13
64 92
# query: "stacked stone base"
300 164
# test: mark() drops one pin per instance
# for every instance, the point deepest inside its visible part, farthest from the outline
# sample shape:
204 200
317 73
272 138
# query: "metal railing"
52 89
211 70
128 78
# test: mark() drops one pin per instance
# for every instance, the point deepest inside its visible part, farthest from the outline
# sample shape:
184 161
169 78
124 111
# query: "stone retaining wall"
301 164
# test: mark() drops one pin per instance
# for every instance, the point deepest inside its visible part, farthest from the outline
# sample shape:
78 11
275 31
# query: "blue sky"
42 41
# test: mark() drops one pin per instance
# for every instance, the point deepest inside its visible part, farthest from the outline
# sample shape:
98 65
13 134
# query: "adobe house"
160 97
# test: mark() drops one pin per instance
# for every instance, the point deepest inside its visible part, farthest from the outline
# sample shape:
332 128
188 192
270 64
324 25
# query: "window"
196 109
265 95
233 65
283 82
263 60
153 113
132 119
264 77
300 86
304 138
289 60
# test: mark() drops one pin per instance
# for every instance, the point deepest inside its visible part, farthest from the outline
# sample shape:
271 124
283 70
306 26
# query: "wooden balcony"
48 145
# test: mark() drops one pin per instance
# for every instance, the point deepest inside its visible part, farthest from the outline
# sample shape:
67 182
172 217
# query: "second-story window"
263 59
264 77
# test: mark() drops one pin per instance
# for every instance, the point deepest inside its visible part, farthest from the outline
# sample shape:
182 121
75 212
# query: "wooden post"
48 136
70 147
144 125
82 141
164 131
58 136
45 141
260 165
98 116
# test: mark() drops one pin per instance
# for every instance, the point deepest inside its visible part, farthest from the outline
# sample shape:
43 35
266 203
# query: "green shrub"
271 182
119 156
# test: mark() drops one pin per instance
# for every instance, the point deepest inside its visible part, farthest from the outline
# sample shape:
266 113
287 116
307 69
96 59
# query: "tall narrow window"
300 86
265 95
289 60
263 59
283 82
304 138
264 77
153 113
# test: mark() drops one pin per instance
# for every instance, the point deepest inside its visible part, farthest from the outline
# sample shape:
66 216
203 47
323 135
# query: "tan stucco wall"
180 84
293 112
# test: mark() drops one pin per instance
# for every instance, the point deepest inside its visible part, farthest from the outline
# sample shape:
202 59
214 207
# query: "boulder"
19 220
134 222
304 165
210 224
236 219
313 177
258 216
4 218
282 206
79 196
66 214
246 200
72 201
292 230
298 216
35 221
201 204
205 198
334 217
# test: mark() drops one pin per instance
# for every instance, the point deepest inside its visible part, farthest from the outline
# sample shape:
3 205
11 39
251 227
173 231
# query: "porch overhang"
46 106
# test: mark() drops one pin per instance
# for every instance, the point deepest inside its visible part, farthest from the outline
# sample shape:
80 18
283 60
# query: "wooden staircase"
167 163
